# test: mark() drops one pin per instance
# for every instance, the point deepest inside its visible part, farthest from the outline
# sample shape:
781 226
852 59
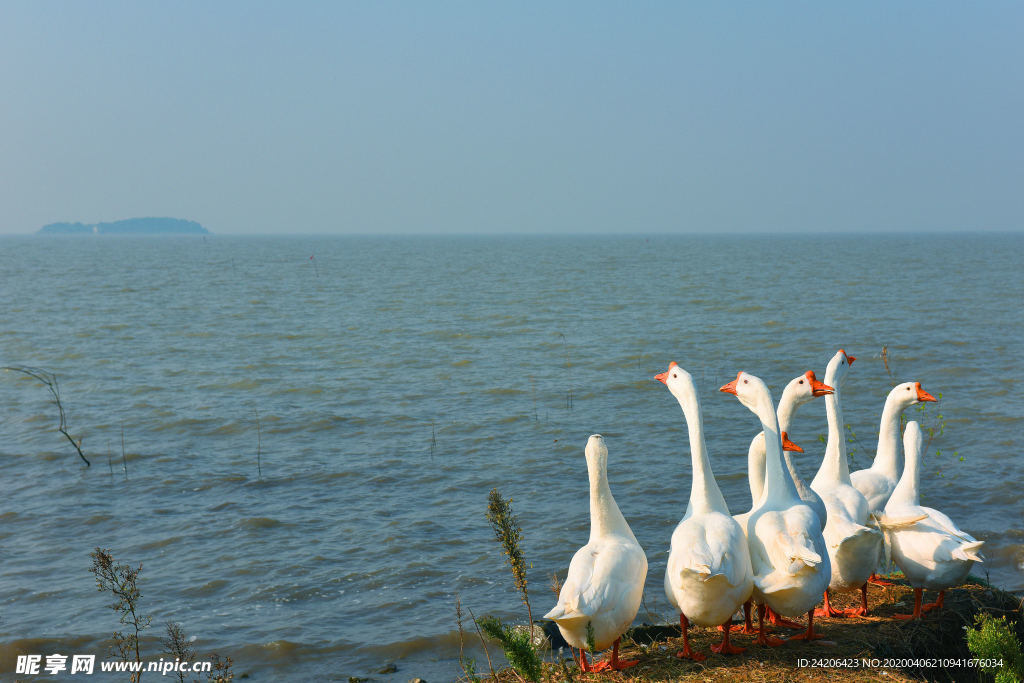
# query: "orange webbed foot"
727 649
776 619
688 653
769 641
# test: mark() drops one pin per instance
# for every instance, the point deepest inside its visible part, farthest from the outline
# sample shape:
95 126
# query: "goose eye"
908 388
674 375
744 381
801 381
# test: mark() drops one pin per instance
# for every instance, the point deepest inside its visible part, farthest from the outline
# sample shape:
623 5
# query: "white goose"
787 551
878 481
606 576
799 391
925 544
853 547
708 574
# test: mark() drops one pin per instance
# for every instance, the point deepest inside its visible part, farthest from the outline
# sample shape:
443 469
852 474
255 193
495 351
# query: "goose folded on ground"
853 547
708 574
799 391
787 551
605 584
925 544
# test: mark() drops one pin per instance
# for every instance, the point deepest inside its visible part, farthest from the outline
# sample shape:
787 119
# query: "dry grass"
875 637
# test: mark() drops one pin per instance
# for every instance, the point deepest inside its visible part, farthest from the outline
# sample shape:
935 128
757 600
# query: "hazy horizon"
458 118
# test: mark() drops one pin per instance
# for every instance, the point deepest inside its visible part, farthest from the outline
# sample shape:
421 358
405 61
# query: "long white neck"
786 412
605 517
756 453
787 407
778 485
705 496
835 468
907 491
755 469
887 457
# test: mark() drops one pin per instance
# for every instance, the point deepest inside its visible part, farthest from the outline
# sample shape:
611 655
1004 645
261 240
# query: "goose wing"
601 576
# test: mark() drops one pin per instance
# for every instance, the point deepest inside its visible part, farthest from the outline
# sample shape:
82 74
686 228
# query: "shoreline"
872 648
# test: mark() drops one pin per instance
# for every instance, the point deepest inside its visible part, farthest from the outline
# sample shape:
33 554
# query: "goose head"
912 439
908 394
835 372
596 452
678 381
750 390
807 387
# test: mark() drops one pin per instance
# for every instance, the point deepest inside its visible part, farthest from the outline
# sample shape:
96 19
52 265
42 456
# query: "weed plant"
993 640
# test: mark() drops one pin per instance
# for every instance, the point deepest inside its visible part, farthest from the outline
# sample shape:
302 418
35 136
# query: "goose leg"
938 602
687 652
809 634
747 628
762 637
861 611
827 610
585 666
724 648
615 664
917 607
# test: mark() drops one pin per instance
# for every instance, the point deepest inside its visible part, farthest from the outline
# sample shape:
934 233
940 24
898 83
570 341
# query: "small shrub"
176 644
516 644
507 531
221 671
994 639
121 580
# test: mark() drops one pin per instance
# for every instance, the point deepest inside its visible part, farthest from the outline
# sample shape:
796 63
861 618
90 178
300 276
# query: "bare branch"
50 380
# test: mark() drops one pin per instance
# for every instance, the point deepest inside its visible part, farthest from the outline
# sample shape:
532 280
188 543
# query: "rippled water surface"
389 384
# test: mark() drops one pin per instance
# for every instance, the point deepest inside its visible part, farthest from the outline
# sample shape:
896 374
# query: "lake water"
390 383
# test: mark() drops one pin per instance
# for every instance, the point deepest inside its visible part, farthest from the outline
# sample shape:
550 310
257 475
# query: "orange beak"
923 395
818 388
730 388
849 358
788 445
663 376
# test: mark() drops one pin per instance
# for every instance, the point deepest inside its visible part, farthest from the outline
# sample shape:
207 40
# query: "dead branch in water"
50 380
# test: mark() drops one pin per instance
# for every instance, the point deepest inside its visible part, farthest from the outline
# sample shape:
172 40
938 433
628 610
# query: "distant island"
129 226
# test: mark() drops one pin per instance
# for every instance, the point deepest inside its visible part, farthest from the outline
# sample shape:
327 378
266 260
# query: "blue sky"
415 117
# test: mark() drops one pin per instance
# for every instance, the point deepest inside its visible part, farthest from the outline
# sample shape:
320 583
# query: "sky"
519 117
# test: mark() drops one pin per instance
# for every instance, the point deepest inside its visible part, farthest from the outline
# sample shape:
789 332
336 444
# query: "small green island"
128 226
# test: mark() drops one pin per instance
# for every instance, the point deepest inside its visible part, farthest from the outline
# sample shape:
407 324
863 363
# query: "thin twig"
124 457
259 444
483 642
50 380
568 372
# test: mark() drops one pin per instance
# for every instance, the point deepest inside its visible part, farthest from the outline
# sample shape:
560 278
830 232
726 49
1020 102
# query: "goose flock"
796 544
